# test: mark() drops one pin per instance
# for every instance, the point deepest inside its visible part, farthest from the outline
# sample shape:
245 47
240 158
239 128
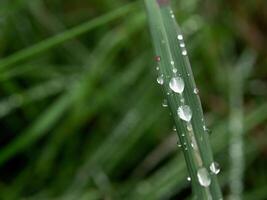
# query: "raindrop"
184 52
180 37
174 70
177 84
164 103
182 45
185 113
188 178
189 127
160 80
157 68
196 91
174 128
215 168
203 177
172 62
157 58
172 16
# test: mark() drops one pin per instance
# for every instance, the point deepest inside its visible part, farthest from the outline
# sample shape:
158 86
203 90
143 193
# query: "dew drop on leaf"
185 113
184 52
160 80
180 37
203 177
215 168
177 84
164 103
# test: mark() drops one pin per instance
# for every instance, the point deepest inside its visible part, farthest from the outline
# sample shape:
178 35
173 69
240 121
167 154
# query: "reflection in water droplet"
203 177
215 168
177 84
185 113
160 80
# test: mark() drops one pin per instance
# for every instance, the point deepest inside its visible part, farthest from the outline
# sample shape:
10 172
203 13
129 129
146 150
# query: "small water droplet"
189 127
157 58
196 91
215 168
174 128
183 134
182 100
172 16
177 84
188 178
193 143
184 52
207 130
172 62
180 37
174 70
157 68
164 103
182 45
203 177
185 113
160 80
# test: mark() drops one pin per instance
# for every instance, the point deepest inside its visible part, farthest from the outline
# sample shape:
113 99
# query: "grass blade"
182 95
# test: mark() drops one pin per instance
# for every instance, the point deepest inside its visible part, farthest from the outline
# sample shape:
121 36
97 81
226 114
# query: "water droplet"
177 84
188 178
182 100
185 113
164 103
183 134
160 80
172 62
193 143
180 37
174 70
215 168
157 58
196 91
206 129
172 16
189 127
157 68
203 177
182 45
184 52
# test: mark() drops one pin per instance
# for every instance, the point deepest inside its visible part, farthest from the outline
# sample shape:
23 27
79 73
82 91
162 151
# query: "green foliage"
80 110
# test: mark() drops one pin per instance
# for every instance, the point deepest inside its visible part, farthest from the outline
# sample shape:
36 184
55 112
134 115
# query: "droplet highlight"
180 37
184 52
203 177
215 168
177 84
160 80
185 113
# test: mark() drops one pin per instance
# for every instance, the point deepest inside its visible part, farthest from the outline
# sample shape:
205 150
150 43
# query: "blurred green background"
81 113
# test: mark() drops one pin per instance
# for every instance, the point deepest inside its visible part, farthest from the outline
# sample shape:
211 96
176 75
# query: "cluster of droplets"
182 44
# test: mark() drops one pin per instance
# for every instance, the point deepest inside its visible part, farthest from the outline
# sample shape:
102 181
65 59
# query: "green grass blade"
173 62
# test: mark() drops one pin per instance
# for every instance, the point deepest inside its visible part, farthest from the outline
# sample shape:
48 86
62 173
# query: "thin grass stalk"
237 77
175 75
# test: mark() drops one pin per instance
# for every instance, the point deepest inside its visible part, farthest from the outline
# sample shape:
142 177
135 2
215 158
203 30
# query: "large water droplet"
177 84
185 113
164 103
180 37
160 80
203 177
184 52
215 168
